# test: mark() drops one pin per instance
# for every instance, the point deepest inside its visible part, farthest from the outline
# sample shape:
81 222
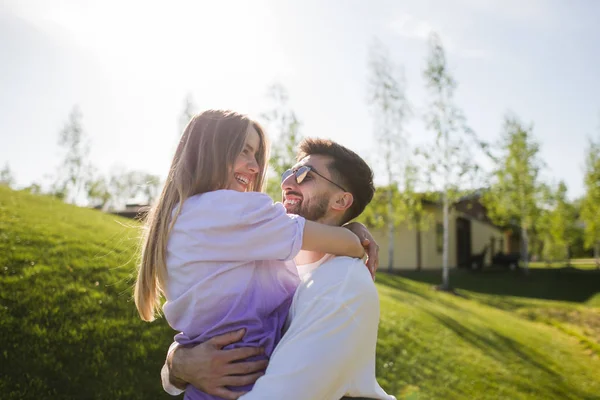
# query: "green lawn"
68 327
581 263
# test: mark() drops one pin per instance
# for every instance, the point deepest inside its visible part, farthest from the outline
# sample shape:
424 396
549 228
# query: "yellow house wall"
405 242
481 235
405 247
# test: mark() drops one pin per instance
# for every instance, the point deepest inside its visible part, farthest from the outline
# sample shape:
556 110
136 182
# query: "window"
439 237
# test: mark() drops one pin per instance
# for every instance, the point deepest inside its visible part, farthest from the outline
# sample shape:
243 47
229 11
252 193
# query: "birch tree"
189 110
450 160
6 176
516 191
285 127
390 109
75 169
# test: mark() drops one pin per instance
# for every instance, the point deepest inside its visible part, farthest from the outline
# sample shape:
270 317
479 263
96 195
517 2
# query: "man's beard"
312 210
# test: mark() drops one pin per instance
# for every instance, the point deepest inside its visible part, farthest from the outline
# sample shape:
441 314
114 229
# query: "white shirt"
328 350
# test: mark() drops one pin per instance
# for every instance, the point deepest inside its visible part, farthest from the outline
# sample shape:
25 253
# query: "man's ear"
343 201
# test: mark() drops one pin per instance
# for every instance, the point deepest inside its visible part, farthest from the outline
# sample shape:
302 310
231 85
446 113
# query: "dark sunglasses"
301 172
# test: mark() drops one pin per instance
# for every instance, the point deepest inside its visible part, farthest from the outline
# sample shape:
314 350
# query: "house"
471 233
133 211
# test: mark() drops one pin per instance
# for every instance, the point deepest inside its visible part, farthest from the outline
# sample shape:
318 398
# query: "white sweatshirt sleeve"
226 225
164 376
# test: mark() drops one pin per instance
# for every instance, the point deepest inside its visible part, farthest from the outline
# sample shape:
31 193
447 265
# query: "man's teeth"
242 179
291 202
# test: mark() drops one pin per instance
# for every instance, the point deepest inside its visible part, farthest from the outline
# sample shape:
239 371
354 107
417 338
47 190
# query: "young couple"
254 285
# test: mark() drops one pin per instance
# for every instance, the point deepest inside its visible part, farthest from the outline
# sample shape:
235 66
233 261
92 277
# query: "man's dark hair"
347 168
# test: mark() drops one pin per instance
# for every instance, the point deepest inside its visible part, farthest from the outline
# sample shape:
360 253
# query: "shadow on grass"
524 365
509 352
561 284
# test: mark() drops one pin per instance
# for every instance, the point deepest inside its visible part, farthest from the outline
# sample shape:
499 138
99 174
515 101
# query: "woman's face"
246 168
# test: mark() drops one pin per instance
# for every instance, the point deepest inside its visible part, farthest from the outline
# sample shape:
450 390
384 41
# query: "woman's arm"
331 239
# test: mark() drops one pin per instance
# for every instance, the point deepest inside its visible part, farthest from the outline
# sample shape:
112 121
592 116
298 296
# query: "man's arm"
324 346
210 369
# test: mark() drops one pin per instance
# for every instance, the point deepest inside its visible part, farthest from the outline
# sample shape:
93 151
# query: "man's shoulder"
347 273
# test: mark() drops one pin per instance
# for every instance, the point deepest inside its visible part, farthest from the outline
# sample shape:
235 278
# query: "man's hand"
369 243
211 369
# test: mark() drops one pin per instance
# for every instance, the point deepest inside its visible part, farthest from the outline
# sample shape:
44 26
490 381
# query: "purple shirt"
229 264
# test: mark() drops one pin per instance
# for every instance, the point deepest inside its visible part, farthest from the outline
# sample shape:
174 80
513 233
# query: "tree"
6 176
98 192
189 110
515 194
590 210
450 165
391 109
558 225
406 203
151 186
282 120
34 188
124 186
75 168
578 248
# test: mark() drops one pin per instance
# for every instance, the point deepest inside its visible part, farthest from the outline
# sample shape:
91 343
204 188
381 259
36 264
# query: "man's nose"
289 182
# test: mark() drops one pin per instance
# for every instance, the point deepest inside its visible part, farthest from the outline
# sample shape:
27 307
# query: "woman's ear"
343 201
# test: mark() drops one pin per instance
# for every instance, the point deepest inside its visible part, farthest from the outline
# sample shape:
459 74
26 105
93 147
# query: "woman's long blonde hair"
203 162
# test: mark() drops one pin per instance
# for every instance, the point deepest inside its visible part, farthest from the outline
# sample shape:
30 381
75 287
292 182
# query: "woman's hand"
369 243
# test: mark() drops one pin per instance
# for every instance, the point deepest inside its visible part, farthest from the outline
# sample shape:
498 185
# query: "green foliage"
590 212
450 161
6 176
390 109
516 193
75 169
98 192
285 128
274 187
127 185
408 208
450 164
189 110
557 225
69 328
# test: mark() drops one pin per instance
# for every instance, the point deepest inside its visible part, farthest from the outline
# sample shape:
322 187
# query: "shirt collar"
305 270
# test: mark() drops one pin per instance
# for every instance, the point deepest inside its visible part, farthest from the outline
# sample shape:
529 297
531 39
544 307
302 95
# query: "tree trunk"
597 254
445 273
525 252
419 261
390 236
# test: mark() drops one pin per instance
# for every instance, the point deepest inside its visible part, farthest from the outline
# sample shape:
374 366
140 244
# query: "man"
328 350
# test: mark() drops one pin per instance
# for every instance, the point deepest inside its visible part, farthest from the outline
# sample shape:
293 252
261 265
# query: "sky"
129 65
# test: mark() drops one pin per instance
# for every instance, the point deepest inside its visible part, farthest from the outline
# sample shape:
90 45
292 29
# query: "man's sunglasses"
301 173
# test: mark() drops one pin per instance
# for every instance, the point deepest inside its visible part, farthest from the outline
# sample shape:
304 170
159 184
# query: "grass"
579 263
435 345
68 327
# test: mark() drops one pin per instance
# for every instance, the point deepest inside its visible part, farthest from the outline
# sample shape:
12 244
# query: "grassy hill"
69 329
